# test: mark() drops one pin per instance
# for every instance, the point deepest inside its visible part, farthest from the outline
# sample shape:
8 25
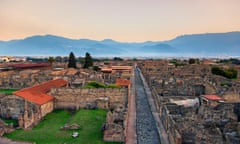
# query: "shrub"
226 84
112 86
96 68
94 84
229 73
11 121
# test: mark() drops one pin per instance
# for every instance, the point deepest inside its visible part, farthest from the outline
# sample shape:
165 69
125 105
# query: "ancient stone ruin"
194 105
63 89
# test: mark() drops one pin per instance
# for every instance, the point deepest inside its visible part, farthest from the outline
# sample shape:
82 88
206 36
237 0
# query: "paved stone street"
146 127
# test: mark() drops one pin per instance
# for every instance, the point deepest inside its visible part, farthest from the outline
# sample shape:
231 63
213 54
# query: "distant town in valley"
85 99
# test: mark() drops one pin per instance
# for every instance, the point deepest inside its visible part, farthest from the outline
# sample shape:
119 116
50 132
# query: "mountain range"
209 44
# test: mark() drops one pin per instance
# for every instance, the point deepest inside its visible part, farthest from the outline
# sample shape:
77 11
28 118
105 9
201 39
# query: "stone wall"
22 79
75 98
46 108
115 125
11 106
33 114
170 126
28 114
202 124
217 114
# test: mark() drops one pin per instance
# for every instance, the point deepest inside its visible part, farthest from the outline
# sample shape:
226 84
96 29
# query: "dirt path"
8 141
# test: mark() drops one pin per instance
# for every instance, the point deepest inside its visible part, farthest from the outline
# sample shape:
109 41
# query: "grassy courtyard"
7 91
48 131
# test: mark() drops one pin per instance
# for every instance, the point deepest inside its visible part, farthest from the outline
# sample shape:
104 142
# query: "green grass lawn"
7 91
48 131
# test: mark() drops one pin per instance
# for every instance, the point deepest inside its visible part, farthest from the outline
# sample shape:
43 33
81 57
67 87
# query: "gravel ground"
146 126
8 141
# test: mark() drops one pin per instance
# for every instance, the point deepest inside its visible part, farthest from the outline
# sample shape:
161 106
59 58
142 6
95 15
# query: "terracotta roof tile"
109 69
213 97
29 65
122 82
121 67
38 94
106 69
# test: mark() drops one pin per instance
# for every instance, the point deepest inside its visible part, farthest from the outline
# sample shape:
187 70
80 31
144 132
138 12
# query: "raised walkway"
131 136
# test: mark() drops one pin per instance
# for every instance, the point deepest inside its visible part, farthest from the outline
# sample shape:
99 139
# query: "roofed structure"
38 94
122 82
212 97
29 65
116 68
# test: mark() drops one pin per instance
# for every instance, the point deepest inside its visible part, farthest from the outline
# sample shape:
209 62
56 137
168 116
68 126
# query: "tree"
58 59
191 61
117 59
51 60
72 61
88 61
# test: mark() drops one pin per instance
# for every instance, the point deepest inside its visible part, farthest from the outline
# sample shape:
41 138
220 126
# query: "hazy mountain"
196 45
208 44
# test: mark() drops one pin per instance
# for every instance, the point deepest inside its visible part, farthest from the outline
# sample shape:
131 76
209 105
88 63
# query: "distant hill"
208 44
196 45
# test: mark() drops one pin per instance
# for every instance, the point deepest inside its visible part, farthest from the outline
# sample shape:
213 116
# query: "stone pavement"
147 132
162 132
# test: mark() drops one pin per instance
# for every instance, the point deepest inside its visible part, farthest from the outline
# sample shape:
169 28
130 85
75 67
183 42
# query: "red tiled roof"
38 94
121 67
29 65
106 69
122 82
109 69
213 97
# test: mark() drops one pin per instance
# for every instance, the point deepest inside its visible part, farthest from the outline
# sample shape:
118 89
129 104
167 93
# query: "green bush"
112 86
11 121
228 73
94 84
226 84
7 91
96 68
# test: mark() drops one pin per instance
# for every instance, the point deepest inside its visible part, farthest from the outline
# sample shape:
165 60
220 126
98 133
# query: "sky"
122 20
